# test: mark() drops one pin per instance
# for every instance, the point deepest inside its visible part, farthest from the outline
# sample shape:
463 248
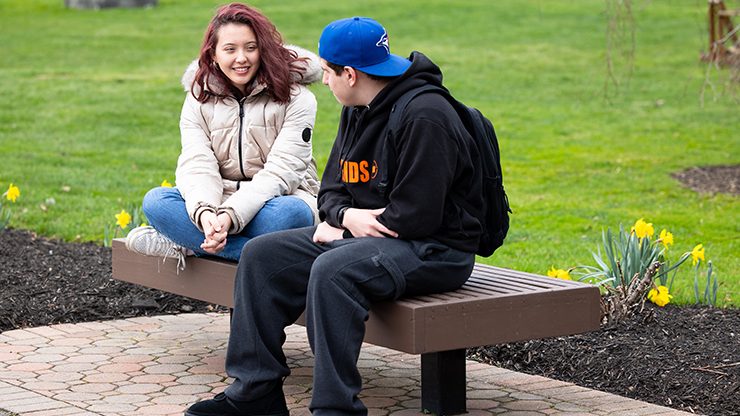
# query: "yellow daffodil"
12 193
697 254
643 229
166 184
666 237
123 219
558 273
659 296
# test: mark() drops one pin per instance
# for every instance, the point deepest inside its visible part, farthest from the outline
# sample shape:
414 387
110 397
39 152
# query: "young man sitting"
399 217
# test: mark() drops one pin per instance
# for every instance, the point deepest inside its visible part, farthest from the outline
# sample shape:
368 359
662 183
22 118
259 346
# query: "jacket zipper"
241 128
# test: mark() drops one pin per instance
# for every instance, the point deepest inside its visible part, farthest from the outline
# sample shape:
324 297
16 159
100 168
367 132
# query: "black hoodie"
435 182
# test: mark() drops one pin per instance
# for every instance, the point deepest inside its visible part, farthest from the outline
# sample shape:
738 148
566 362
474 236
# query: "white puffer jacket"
237 156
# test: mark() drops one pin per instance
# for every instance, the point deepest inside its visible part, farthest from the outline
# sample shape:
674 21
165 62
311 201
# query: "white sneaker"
150 242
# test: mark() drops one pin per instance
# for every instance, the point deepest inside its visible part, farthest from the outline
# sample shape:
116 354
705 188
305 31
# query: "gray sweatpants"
284 273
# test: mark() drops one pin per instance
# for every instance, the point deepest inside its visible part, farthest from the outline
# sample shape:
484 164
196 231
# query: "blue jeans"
165 210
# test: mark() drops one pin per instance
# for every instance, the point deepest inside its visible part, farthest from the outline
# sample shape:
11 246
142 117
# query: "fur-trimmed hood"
311 71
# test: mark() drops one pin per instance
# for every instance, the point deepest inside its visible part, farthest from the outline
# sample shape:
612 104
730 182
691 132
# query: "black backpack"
496 214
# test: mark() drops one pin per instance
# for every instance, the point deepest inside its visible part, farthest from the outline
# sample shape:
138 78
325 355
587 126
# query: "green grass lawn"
90 102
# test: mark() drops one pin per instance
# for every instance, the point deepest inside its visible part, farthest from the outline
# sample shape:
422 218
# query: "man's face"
338 84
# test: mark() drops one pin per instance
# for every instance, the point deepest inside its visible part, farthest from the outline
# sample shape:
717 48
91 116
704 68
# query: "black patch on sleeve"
306 135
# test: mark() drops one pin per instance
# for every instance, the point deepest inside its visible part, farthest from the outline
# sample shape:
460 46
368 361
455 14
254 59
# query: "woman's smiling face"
237 54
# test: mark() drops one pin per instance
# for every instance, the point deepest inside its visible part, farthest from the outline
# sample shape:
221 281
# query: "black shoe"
271 405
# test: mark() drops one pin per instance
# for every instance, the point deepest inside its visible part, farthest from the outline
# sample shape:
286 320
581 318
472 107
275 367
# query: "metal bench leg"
443 382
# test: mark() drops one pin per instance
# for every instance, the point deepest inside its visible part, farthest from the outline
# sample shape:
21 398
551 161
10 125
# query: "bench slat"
495 306
489 272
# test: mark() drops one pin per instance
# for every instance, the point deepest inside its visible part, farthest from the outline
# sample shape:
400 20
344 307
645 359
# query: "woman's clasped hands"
215 229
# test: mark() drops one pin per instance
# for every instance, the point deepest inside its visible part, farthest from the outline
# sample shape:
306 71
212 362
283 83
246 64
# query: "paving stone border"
160 365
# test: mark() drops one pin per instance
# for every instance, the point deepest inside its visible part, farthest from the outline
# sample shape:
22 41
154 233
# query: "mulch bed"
686 358
711 179
49 281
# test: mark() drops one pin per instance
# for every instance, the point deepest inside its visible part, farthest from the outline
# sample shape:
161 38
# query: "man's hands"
364 223
215 228
360 222
325 233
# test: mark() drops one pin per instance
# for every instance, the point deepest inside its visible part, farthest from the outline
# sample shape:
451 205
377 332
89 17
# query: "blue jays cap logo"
384 42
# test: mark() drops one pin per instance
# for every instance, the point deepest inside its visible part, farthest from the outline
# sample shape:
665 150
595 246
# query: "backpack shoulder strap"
388 161
394 120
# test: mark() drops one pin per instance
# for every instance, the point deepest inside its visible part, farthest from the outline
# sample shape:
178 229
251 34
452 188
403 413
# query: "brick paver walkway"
160 365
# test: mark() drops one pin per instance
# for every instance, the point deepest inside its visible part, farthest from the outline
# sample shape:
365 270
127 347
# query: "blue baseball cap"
362 43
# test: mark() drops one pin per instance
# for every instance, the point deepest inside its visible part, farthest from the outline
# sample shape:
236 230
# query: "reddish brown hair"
277 63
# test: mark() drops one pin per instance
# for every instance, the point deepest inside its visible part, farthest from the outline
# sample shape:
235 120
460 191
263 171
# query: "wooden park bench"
495 306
